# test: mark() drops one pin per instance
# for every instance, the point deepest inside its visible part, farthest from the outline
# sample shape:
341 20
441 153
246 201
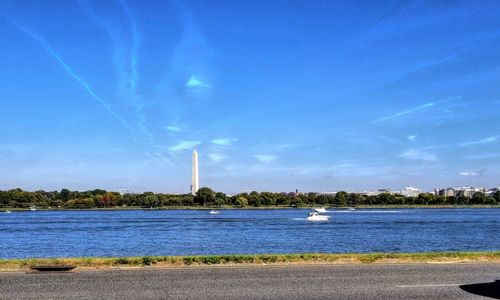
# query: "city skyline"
313 95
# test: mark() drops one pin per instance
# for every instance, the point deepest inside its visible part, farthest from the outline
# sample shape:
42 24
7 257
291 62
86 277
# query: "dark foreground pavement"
424 281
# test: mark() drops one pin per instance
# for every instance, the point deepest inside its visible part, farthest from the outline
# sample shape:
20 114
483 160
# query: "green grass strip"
258 259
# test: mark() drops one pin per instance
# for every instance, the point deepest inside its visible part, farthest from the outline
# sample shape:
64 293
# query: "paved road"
428 281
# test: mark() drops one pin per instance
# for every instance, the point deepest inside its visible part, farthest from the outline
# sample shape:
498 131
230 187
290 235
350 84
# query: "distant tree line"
18 198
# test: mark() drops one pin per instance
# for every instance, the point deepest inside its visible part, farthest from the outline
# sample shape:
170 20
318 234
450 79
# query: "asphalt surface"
425 281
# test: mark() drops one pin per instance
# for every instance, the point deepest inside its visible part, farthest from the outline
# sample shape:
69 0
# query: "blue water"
184 232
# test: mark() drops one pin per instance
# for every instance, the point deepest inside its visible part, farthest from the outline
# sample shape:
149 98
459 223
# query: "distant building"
410 191
378 192
368 193
388 191
468 191
328 193
464 191
448 192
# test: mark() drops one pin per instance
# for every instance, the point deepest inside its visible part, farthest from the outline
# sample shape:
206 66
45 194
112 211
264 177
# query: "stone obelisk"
195 180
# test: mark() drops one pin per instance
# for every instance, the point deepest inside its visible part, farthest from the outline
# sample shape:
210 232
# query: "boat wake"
366 211
305 219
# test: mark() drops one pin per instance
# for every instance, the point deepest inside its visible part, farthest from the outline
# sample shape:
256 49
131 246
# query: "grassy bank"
251 208
260 259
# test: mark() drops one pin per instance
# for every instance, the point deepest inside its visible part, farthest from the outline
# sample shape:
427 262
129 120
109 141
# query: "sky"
275 95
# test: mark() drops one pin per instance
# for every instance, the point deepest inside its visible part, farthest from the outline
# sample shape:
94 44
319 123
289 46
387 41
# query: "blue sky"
275 95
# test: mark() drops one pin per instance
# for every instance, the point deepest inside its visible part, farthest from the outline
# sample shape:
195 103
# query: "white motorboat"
8 212
214 212
320 210
351 208
314 216
33 208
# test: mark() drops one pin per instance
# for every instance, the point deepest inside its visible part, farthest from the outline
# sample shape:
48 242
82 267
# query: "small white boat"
314 216
320 210
214 212
351 208
32 208
8 212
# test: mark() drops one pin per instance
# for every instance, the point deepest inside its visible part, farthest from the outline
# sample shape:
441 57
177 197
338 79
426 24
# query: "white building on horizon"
195 180
410 191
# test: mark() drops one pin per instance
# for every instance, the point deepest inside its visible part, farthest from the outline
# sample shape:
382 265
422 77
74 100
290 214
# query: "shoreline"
103 263
17 209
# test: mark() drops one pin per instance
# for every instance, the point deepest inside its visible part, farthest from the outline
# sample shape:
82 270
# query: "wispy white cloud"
159 156
132 73
406 112
482 156
149 155
164 158
217 157
265 158
308 171
47 47
415 109
420 155
412 138
323 169
224 141
195 82
184 145
173 129
387 139
125 59
135 40
472 173
490 139
262 142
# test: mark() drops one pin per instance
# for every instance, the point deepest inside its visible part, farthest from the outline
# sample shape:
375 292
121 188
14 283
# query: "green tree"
425 198
241 201
187 200
439 200
386 198
354 199
478 198
282 199
399 200
341 198
462 200
151 201
254 199
268 198
321 199
65 194
204 196
220 198
496 195
490 200
4 199
80 203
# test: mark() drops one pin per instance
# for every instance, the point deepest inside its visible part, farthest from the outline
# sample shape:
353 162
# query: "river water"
186 232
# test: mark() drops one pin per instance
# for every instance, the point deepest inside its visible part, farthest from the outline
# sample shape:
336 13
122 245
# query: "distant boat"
351 208
214 212
8 212
314 216
32 208
320 210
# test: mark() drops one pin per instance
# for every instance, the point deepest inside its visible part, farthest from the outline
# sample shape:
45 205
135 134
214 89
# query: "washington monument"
195 180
